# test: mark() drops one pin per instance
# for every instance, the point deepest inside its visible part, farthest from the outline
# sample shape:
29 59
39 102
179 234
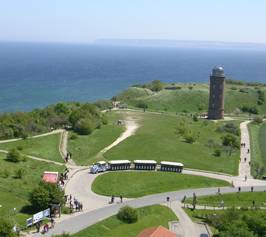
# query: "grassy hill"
157 139
192 97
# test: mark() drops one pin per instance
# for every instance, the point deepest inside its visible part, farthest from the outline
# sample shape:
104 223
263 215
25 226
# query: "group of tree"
155 85
250 109
185 131
261 97
82 117
44 195
239 223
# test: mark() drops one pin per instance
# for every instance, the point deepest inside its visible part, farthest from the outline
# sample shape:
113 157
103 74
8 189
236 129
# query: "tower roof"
218 71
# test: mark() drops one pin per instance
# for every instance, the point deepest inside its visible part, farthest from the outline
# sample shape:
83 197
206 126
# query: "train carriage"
145 164
171 166
119 164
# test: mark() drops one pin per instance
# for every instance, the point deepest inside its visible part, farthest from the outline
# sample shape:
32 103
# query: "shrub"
5 173
258 119
84 127
6 228
46 194
156 85
190 87
230 140
13 155
190 138
19 173
143 105
250 109
73 136
128 214
217 152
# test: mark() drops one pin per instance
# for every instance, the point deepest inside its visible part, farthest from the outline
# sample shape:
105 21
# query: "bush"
13 155
6 228
5 173
250 109
156 85
190 138
230 140
84 127
19 173
73 136
128 214
143 105
217 152
46 194
229 128
258 119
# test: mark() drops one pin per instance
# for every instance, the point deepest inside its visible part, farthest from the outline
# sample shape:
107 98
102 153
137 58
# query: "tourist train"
112 165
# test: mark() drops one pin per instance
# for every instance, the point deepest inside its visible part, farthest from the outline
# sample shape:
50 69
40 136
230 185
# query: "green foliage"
14 156
46 194
217 152
250 109
258 119
128 214
62 235
190 137
6 228
230 140
19 173
143 105
156 85
229 127
23 124
261 97
84 127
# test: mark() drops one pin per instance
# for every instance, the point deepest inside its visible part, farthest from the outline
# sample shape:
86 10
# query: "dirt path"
63 148
36 136
131 127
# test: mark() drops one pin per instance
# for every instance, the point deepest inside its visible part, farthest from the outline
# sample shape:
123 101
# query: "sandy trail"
131 127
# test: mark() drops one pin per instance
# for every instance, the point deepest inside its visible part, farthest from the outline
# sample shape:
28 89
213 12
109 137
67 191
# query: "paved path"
244 165
187 226
81 221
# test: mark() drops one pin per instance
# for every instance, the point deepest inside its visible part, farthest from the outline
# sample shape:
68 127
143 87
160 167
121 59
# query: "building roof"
159 231
50 177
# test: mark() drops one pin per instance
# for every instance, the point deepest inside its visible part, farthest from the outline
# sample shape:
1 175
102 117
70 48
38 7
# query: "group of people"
113 199
46 226
74 204
63 177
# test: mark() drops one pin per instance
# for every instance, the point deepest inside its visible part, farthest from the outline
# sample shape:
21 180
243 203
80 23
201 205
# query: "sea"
34 75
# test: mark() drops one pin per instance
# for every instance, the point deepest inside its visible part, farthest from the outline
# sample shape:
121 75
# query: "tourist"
239 189
245 159
52 222
248 151
222 204
246 177
253 203
252 188
81 206
38 226
219 191
121 198
45 228
112 199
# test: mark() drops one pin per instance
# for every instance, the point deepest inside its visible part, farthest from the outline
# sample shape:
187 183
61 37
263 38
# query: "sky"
84 21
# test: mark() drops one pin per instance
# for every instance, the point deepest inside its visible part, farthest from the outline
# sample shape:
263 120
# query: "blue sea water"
33 75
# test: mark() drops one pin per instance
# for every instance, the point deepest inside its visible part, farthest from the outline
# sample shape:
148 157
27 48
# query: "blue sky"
87 20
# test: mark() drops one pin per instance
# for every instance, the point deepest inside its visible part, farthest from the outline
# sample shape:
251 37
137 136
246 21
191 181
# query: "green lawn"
14 192
192 100
157 139
137 184
234 199
147 217
85 148
46 147
258 145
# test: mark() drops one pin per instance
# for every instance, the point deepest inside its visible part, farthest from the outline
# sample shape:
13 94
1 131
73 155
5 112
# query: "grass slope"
192 100
85 148
14 192
156 139
258 144
46 147
234 199
147 217
138 184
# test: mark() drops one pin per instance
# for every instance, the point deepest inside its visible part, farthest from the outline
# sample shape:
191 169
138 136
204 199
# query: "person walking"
121 198
252 188
239 189
52 222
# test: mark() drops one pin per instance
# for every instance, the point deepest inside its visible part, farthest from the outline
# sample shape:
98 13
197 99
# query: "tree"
84 127
6 228
258 119
143 105
46 194
230 140
14 155
156 85
128 214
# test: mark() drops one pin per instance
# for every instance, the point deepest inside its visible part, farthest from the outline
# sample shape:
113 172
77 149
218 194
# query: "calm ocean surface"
35 75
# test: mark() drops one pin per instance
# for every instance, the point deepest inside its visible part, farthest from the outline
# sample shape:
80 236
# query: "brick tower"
216 96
